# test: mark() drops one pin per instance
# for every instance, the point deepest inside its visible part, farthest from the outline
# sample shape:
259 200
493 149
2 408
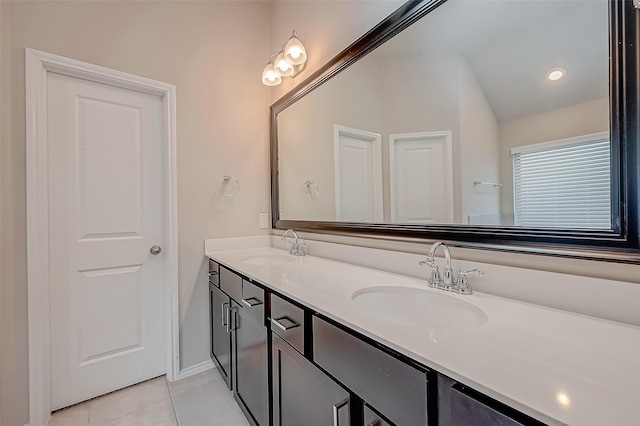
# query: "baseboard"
194 369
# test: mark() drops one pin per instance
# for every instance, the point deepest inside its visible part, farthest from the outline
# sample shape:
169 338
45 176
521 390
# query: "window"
563 183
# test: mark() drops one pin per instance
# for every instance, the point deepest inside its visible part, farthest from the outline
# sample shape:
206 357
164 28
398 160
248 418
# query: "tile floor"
199 400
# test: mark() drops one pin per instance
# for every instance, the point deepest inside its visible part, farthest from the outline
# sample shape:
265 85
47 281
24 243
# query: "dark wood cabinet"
239 341
393 387
302 393
251 359
221 342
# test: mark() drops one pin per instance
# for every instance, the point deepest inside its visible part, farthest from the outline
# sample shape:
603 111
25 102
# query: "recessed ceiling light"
556 74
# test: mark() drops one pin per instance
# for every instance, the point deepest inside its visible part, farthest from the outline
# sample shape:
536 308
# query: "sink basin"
275 259
430 311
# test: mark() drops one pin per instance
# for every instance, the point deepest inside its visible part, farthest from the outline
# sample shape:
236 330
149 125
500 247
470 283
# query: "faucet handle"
465 272
435 279
462 283
430 262
297 249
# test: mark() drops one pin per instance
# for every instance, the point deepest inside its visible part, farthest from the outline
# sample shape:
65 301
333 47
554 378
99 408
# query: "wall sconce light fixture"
288 62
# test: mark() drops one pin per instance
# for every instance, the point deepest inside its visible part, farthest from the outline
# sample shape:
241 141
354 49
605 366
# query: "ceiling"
511 45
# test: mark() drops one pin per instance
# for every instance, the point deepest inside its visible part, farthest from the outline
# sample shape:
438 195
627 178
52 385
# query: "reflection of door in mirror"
358 175
421 177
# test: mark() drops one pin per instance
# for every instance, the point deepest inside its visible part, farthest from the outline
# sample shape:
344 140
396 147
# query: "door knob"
155 250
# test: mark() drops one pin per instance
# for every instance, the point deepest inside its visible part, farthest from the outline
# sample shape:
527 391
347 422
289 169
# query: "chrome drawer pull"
284 323
251 302
336 408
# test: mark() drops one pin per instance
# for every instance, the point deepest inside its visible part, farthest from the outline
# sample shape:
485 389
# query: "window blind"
566 186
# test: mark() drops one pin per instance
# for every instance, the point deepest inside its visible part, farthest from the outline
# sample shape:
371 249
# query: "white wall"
213 52
479 151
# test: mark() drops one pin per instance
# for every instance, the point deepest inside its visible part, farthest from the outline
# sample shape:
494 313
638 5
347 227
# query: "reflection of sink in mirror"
429 310
268 260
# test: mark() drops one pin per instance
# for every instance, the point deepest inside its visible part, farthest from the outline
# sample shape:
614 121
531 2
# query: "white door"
421 184
358 175
105 162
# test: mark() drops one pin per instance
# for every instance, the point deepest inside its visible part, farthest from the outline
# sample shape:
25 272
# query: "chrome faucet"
447 279
297 248
447 282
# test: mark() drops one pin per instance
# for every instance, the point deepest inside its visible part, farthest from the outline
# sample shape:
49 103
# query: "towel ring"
229 186
311 189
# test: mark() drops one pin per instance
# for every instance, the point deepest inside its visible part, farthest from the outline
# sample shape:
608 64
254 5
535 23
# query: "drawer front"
461 405
231 283
467 410
253 301
214 273
287 321
395 389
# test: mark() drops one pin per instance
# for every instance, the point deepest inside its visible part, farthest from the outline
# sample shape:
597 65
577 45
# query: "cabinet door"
373 419
219 310
302 394
251 366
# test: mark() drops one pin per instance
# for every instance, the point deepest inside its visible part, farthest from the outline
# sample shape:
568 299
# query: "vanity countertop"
557 366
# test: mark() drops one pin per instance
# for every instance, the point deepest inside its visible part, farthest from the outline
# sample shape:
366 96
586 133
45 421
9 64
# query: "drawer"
231 283
214 273
287 321
253 301
469 407
461 405
396 389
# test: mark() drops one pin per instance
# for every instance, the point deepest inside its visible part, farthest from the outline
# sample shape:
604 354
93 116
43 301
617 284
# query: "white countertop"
559 367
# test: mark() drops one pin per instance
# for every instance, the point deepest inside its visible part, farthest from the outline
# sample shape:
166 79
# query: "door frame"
37 66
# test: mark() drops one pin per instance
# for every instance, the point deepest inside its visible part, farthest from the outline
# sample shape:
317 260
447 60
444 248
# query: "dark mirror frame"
621 244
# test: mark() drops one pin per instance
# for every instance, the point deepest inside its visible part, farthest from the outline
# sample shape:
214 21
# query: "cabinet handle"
251 302
224 312
279 322
213 273
233 319
336 409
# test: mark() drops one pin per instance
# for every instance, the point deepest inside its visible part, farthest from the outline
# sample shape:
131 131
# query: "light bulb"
269 76
556 74
294 51
282 67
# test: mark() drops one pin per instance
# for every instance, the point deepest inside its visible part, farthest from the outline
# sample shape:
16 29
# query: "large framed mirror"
508 125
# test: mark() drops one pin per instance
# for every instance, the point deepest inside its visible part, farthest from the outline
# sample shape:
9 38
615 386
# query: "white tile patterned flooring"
199 400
